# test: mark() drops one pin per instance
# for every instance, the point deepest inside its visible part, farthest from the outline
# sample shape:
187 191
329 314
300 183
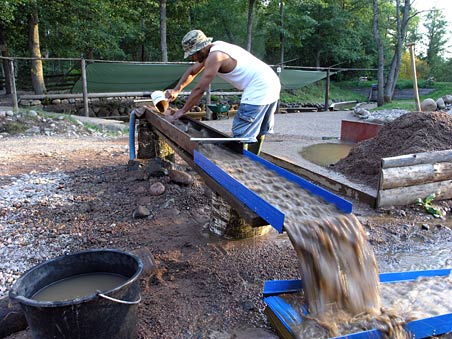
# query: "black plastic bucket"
110 314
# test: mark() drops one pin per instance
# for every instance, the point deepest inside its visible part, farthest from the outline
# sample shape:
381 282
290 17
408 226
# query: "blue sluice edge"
332 198
421 328
253 201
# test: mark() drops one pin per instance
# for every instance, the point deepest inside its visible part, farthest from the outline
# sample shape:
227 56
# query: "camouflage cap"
193 41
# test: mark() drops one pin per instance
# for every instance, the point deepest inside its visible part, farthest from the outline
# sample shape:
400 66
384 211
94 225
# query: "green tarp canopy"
135 77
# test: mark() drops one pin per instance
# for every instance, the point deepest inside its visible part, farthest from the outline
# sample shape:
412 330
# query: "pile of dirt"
414 132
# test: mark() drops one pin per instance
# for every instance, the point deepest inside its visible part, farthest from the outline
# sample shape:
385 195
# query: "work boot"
255 147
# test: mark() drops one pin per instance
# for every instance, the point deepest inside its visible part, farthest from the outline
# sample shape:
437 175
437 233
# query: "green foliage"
437 212
13 127
315 93
313 32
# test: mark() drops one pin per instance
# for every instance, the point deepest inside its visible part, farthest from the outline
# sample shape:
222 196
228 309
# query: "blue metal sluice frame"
265 210
289 317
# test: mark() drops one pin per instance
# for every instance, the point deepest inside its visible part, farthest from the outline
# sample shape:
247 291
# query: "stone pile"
443 104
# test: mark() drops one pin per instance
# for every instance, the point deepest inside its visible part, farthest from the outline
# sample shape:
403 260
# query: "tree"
249 24
381 59
163 46
37 74
386 85
8 12
436 26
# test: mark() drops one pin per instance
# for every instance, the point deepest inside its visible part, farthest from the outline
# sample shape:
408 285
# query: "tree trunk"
402 23
37 74
163 44
249 25
381 60
6 68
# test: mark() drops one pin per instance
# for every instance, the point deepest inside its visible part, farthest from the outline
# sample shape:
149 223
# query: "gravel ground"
63 193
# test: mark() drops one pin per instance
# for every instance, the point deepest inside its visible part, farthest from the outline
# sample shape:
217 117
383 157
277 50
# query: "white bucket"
160 101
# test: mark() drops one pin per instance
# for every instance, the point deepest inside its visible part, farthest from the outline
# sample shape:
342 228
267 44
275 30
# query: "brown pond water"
325 154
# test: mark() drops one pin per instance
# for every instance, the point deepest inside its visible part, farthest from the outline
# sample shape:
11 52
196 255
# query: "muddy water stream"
337 264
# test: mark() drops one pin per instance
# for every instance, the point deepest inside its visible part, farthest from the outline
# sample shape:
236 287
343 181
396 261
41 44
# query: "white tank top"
259 82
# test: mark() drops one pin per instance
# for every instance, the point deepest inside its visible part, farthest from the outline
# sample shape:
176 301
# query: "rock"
140 189
361 113
12 318
428 105
33 130
157 188
180 177
447 99
141 212
158 167
440 103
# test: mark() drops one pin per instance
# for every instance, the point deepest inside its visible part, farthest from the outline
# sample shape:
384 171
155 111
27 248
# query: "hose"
132 135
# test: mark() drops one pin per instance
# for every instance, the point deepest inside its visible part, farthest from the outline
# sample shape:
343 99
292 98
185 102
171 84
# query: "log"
417 158
409 195
12 318
415 175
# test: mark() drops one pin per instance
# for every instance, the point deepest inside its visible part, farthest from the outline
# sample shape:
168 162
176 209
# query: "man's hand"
171 94
171 115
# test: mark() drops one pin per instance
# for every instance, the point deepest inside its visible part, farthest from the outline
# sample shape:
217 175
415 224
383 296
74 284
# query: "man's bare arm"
185 80
211 67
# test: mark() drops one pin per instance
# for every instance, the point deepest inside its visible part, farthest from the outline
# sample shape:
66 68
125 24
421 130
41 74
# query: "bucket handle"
118 300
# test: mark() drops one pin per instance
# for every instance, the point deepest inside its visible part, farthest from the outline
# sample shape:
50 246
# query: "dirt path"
204 287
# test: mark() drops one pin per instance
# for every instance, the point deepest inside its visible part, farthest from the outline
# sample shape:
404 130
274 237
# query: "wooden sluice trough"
403 179
250 206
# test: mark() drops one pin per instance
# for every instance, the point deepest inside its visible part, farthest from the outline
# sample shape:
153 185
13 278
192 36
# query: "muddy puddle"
325 154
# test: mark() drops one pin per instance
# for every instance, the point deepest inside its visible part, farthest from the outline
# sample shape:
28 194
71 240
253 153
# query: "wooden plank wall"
406 178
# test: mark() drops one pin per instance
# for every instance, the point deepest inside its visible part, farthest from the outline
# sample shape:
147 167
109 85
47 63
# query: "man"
260 85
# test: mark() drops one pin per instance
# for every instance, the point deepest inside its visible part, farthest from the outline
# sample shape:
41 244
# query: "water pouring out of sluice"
340 282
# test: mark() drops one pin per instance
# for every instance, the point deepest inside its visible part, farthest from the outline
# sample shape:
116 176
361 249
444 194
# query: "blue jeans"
252 121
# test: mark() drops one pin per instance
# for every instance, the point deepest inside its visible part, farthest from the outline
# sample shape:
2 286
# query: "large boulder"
428 105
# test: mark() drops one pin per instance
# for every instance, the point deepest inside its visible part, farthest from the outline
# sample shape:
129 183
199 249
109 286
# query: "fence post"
327 90
13 86
85 89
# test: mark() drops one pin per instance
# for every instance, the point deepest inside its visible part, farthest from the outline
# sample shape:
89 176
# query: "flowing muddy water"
337 264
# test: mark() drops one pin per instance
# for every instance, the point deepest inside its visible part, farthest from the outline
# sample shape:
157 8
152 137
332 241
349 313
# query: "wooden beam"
409 195
415 175
417 158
